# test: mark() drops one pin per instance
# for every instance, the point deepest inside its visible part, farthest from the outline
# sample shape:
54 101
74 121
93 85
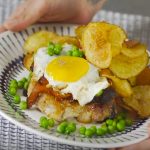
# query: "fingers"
15 16
2 29
26 14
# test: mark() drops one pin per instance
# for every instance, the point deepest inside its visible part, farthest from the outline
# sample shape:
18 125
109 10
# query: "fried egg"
74 75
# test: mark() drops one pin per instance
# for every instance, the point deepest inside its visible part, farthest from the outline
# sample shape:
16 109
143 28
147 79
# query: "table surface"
129 6
13 137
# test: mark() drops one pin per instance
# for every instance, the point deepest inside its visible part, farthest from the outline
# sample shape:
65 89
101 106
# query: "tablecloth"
15 138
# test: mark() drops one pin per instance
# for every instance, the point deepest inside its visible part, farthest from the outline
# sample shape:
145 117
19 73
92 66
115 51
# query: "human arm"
66 11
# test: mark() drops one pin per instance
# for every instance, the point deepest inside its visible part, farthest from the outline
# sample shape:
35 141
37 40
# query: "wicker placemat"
15 138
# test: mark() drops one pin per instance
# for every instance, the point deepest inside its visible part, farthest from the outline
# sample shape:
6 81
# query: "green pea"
109 121
71 127
23 105
111 129
100 132
82 130
42 118
12 91
120 126
122 121
50 52
69 53
89 133
64 123
58 46
26 84
51 122
44 123
67 130
75 53
24 80
50 49
104 128
57 51
114 124
61 127
81 54
50 46
20 84
99 93
128 122
13 83
93 128
16 99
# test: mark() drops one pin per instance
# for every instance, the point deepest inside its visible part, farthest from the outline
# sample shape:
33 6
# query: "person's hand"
144 145
69 11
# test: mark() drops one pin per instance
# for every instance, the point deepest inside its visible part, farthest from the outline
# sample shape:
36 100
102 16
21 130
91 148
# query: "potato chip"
139 100
66 39
97 49
37 40
125 67
28 61
116 37
133 49
42 38
122 87
79 31
132 80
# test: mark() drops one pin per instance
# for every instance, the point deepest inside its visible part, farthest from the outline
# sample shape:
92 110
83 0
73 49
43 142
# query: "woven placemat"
15 138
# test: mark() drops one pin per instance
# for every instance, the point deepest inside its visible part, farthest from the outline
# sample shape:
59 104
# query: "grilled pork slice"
60 107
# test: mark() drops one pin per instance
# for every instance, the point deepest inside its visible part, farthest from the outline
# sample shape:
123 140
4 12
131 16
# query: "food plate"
11 67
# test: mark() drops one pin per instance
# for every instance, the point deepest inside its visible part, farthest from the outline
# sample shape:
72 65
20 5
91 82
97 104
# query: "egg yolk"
67 68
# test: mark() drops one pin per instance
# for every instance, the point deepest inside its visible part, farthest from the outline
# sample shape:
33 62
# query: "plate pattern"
11 56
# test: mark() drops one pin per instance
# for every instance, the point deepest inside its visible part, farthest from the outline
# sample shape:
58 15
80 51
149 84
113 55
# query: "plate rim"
70 142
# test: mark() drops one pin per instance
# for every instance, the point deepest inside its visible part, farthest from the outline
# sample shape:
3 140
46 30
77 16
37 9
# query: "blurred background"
141 7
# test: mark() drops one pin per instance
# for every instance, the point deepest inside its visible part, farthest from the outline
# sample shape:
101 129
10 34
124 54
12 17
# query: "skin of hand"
69 11
144 145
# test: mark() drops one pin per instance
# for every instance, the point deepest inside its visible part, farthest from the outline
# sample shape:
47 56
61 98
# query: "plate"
11 67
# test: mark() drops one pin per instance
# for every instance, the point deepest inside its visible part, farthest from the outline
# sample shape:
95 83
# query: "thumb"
26 14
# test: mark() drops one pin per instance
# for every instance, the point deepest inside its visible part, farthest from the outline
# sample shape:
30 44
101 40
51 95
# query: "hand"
144 145
70 11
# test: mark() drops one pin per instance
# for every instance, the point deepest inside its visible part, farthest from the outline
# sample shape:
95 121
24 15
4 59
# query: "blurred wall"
129 6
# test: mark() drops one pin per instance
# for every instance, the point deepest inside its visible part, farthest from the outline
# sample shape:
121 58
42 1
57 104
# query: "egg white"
82 90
